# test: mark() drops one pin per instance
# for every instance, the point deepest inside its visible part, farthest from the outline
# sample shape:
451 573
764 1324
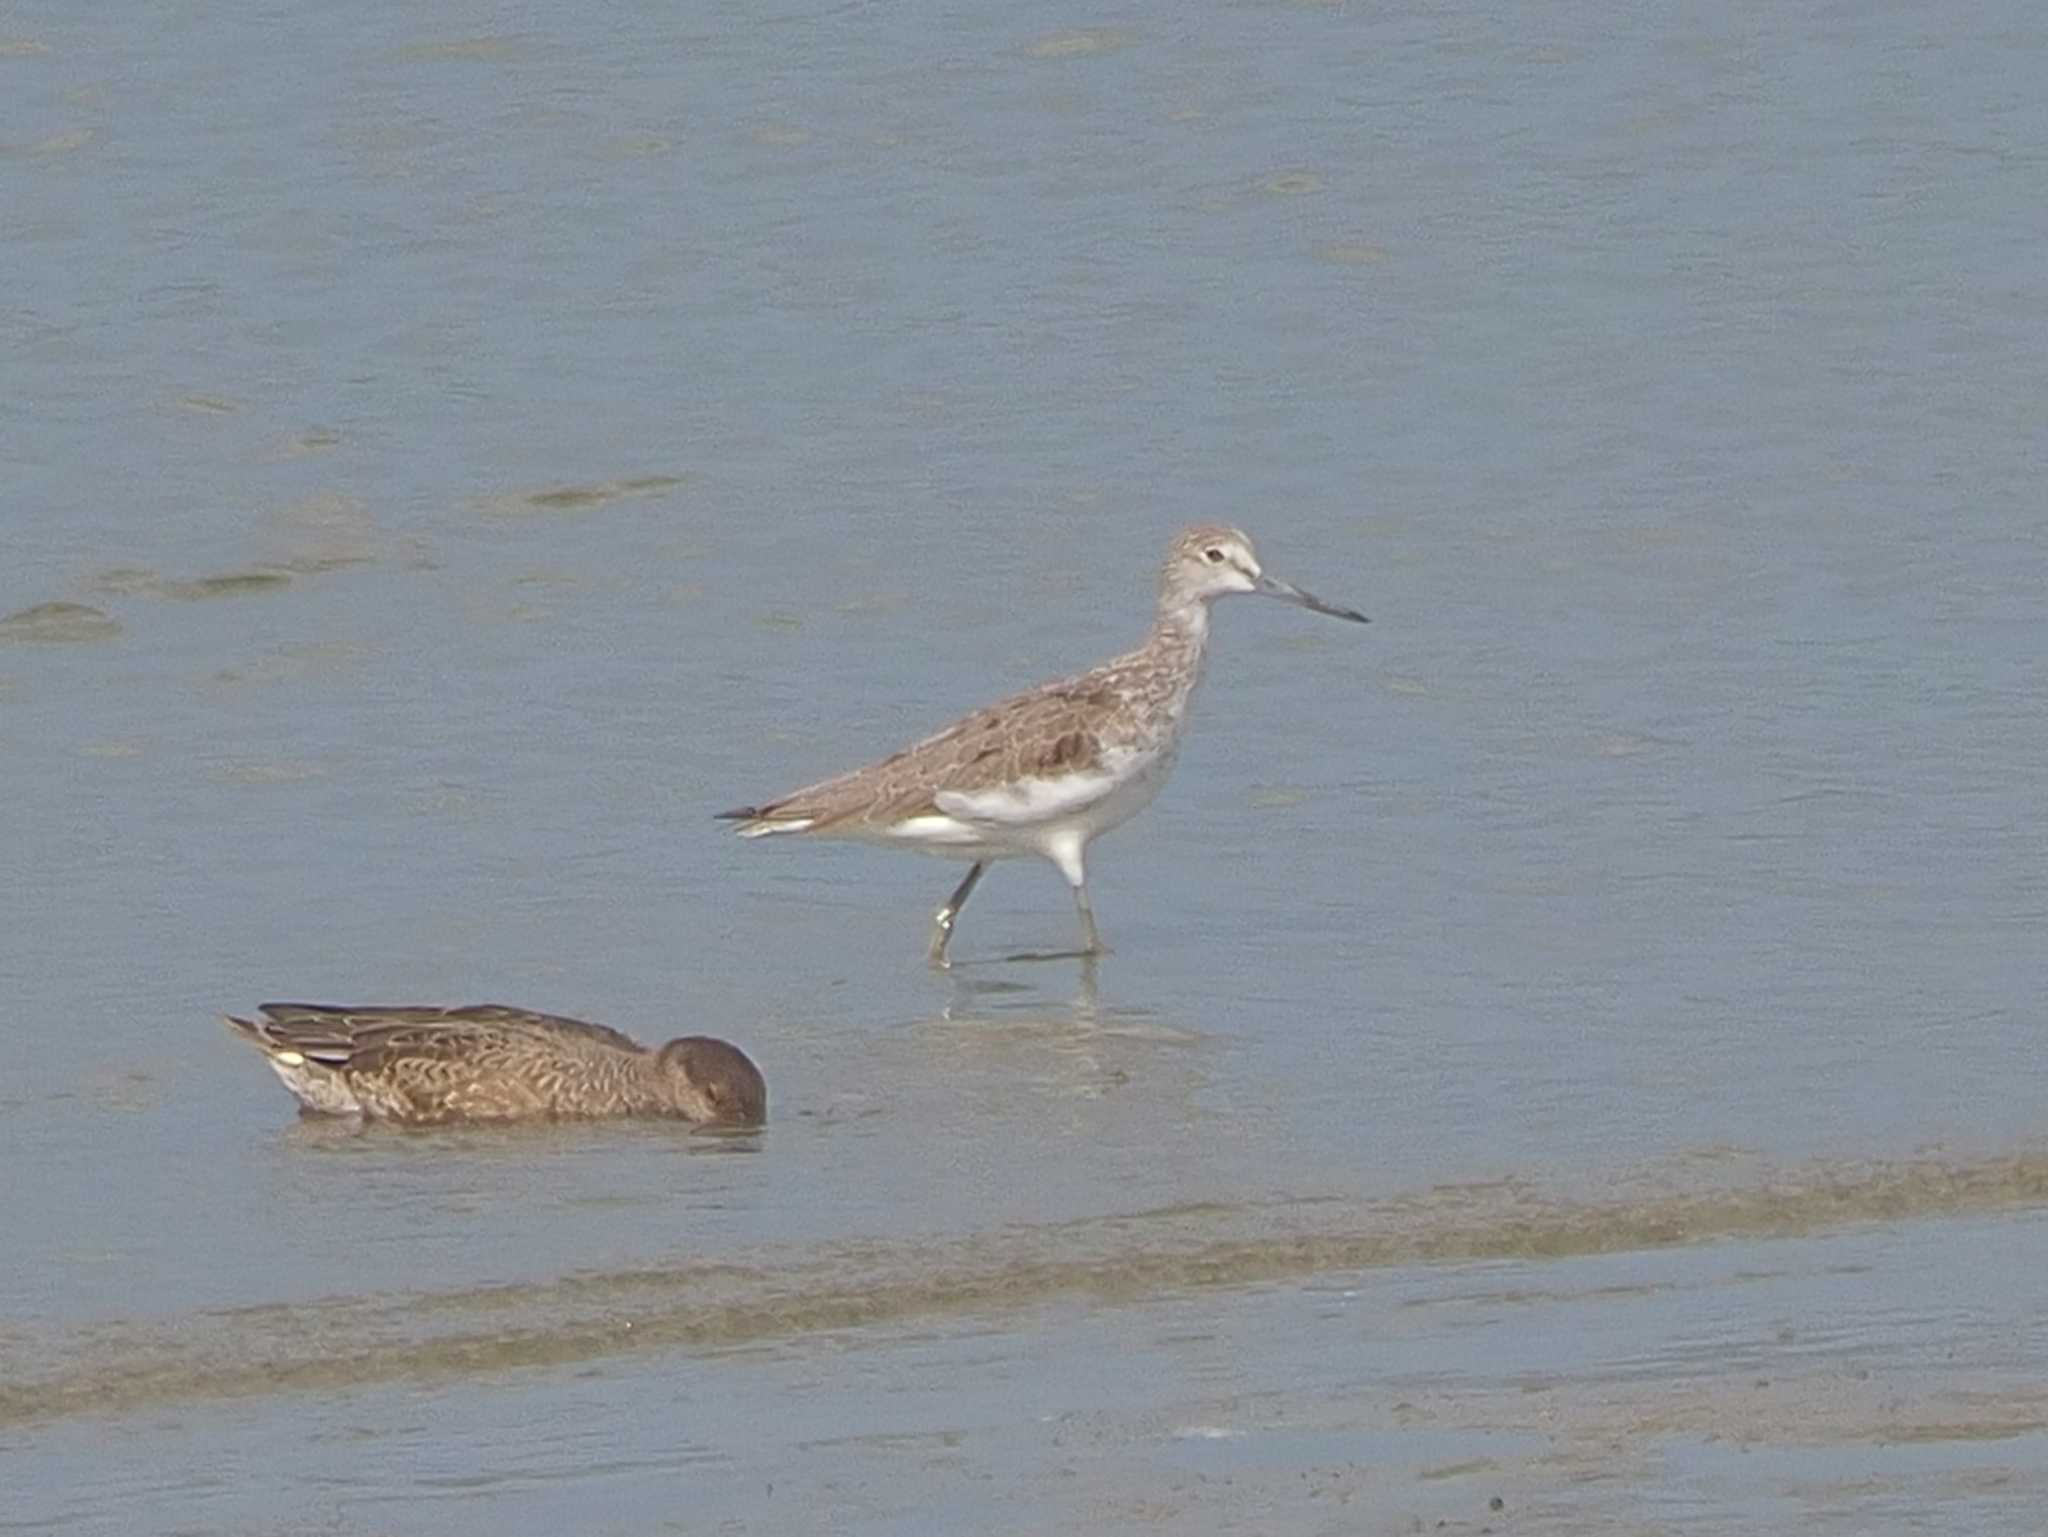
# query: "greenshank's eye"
1213 557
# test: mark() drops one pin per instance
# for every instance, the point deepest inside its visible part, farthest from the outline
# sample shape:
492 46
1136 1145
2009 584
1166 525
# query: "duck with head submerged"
1047 771
424 1066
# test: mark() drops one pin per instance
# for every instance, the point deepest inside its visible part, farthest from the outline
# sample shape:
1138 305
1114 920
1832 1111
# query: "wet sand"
1802 1351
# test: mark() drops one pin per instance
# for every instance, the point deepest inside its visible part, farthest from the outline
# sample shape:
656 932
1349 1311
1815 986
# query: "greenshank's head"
1212 560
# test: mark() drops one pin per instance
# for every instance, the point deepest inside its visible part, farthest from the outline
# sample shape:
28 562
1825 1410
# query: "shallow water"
450 460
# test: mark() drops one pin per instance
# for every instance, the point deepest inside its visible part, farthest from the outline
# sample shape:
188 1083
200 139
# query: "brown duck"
487 1062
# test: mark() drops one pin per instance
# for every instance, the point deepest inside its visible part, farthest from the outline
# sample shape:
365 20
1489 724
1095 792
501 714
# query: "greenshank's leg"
1069 852
942 921
1091 939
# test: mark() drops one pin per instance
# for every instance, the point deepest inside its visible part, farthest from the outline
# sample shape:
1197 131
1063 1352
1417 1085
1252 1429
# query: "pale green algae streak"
58 624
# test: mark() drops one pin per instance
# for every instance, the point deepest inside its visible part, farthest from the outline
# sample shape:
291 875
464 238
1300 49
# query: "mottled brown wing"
556 1025
323 1030
342 1019
1056 729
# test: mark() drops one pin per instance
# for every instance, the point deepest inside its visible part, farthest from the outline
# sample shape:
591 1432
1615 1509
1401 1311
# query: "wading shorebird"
1046 771
435 1067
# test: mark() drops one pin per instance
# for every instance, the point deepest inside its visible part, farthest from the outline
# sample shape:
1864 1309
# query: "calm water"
1572 1043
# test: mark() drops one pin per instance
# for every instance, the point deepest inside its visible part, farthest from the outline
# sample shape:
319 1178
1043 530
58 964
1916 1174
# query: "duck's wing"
530 1021
340 1033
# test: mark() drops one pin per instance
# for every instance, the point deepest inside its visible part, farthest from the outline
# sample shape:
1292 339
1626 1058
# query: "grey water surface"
1572 1044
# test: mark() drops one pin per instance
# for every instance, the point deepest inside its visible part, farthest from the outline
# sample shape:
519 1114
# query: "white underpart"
317 1088
1031 802
1054 818
769 829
